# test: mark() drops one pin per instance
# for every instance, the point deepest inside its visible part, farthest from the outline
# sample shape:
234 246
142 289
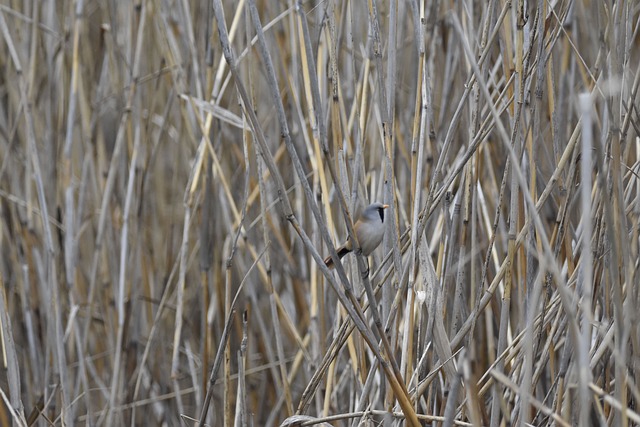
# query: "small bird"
369 230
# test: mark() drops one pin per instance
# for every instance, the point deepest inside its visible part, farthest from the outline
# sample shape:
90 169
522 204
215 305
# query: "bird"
369 230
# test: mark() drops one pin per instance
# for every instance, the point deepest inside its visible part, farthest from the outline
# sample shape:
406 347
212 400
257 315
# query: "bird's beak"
385 206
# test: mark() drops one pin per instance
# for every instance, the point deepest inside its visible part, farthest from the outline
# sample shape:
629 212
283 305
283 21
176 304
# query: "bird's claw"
365 273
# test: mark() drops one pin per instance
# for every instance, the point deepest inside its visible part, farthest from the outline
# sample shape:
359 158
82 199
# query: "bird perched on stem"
369 231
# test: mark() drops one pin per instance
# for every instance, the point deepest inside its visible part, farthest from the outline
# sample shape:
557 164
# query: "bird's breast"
369 236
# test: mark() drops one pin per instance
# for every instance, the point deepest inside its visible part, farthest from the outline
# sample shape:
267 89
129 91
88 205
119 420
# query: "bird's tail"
342 251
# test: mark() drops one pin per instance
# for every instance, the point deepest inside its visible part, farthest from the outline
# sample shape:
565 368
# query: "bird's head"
374 211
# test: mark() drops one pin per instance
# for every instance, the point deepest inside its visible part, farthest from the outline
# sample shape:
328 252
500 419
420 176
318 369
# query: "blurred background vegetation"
172 174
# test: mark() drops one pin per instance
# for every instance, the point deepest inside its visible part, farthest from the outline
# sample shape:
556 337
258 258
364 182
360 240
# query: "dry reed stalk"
161 174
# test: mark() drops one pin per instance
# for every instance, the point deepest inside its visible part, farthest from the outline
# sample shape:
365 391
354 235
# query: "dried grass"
172 175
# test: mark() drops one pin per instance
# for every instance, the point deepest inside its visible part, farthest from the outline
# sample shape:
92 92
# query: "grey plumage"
369 231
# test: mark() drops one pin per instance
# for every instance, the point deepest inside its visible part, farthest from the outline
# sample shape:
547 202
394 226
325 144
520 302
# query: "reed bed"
173 173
